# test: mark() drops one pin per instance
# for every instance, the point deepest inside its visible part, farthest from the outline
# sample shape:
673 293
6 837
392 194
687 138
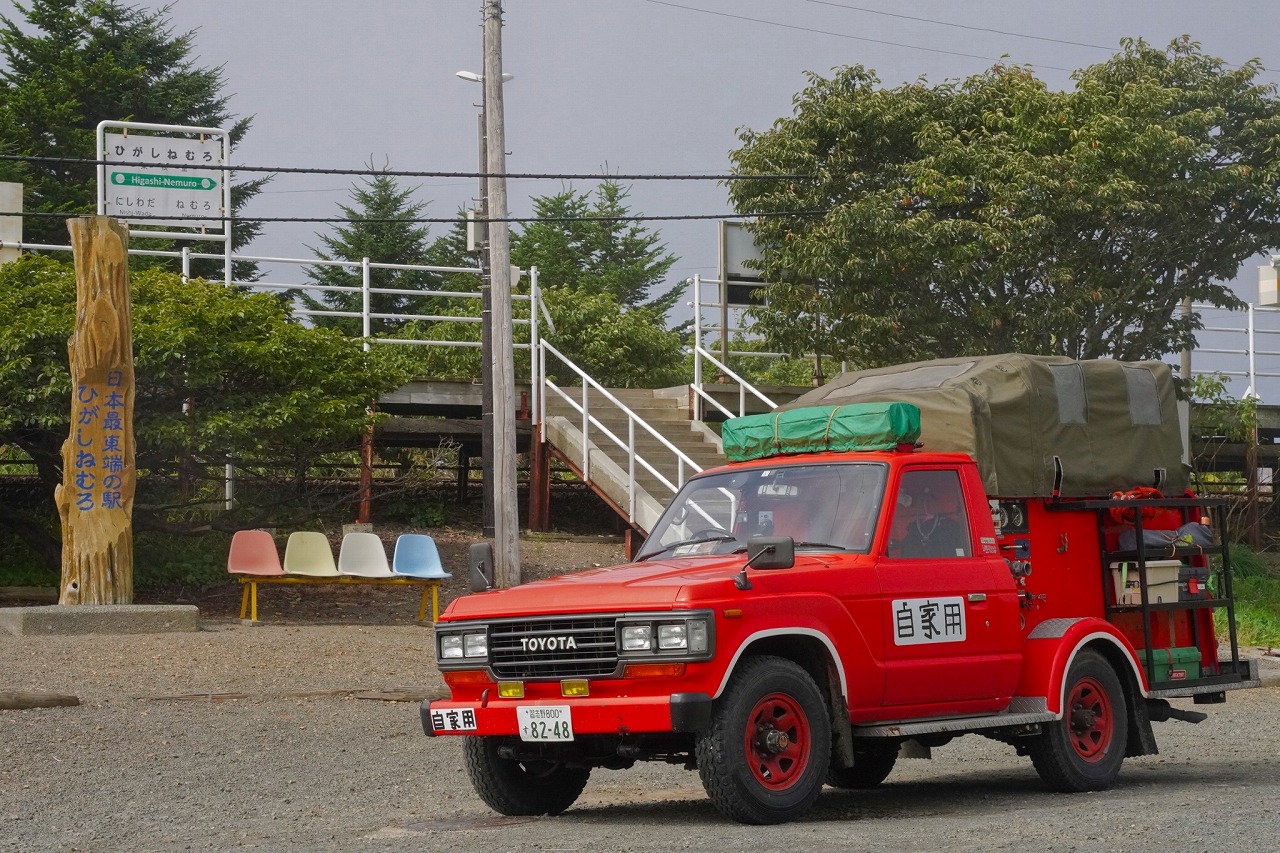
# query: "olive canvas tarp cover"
1109 425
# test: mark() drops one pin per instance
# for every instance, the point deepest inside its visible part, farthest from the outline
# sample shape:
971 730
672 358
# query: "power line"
392 173
1109 48
959 26
843 35
426 220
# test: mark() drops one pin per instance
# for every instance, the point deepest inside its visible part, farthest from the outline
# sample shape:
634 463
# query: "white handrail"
633 421
743 385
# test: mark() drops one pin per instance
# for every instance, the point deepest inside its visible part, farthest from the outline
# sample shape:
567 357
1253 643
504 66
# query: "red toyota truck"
908 555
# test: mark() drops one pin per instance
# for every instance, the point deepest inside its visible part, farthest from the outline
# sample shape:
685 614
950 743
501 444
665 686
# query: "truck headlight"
637 638
450 646
475 645
698 636
673 636
464 645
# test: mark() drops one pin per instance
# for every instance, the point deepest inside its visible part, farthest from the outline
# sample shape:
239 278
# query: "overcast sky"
624 86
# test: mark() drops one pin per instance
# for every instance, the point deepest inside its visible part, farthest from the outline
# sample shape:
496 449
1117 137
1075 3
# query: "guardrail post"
586 445
631 469
698 406
366 301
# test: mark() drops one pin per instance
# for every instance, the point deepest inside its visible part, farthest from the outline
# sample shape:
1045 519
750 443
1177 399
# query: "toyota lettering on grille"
548 644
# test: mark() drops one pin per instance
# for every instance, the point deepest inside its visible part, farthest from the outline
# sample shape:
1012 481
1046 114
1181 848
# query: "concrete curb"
64 620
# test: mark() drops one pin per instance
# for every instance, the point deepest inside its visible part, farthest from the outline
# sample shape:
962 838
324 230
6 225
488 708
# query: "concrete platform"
99 619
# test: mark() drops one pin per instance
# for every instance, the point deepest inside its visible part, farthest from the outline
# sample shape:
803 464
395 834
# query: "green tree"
379 227
993 214
598 272
70 64
618 347
586 244
453 362
219 372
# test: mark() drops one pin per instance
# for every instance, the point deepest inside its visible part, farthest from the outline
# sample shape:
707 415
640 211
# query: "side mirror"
480 563
766 552
771 552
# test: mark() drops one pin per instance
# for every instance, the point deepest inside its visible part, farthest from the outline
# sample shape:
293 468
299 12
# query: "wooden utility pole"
506 514
95 498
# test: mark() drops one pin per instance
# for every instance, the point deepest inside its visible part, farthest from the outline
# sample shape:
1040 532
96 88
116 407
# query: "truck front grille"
554 647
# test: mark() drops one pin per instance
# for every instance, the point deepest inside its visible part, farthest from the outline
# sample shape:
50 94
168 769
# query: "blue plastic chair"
416 557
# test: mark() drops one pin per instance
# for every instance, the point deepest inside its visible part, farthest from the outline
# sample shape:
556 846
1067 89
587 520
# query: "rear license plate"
544 722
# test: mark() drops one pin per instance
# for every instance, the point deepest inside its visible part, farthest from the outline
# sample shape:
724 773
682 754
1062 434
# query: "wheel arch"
1053 645
814 652
810 649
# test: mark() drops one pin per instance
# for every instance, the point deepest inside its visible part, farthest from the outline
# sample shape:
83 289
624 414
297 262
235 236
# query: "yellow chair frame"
249 598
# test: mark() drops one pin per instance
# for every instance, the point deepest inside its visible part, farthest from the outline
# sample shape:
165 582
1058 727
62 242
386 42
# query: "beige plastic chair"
363 556
308 553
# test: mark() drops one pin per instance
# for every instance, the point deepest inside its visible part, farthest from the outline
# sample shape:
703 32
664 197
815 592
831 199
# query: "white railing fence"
366 290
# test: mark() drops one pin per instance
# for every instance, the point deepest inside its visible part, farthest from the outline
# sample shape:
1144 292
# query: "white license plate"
544 722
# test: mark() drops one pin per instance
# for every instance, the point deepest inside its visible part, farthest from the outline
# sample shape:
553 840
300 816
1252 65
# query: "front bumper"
678 712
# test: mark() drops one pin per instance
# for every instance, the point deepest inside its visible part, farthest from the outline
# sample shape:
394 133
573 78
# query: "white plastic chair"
308 553
416 557
363 556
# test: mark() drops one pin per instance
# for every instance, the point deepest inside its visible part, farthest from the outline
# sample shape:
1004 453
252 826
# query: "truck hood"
652 585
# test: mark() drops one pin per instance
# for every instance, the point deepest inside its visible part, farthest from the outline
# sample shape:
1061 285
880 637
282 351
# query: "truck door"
951 625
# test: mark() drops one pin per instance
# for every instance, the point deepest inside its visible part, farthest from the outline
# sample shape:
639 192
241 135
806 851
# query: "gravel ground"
285 737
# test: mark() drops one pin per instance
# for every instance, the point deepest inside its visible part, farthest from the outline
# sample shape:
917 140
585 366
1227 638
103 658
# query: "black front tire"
870 768
1084 750
521 787
765 756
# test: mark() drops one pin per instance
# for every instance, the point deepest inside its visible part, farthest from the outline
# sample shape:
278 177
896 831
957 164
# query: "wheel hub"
777 741
1083 719
1090 720
774 741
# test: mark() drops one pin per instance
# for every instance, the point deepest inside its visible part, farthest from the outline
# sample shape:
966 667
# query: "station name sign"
149 180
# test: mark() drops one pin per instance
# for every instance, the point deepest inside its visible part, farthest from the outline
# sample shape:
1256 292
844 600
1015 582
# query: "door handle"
975 597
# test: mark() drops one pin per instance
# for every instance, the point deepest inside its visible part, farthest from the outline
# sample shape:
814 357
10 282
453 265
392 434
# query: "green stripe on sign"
163 182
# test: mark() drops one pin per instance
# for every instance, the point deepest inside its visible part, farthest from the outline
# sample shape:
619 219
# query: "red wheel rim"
1089 720
777 741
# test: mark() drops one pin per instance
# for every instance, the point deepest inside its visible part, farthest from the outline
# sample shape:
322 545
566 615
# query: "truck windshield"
833 506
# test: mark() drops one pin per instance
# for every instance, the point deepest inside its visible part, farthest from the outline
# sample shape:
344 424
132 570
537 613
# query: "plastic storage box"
1162 581
1178 664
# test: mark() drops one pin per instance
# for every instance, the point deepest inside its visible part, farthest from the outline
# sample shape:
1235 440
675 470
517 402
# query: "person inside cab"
937 528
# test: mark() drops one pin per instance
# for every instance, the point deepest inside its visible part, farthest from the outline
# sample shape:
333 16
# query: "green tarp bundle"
860 426
1030 422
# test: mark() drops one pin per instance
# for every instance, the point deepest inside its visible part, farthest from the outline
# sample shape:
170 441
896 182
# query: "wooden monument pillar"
95 498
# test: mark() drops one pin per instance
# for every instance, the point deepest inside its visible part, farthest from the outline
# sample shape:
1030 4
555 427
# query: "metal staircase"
635 447
645 436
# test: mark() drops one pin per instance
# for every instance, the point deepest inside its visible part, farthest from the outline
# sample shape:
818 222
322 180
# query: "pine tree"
585 244
380 226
